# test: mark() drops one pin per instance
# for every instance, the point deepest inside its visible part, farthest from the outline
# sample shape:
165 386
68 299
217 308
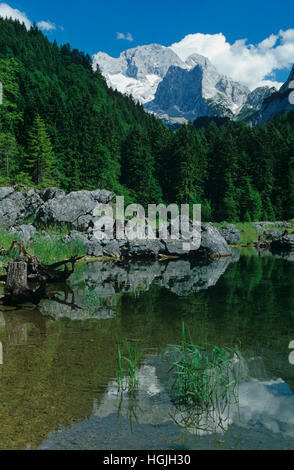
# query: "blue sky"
92 25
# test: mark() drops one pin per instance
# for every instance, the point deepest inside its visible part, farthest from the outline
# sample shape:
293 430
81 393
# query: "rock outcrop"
76 210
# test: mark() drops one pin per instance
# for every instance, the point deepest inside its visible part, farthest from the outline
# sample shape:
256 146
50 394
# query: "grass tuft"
200 374
131 360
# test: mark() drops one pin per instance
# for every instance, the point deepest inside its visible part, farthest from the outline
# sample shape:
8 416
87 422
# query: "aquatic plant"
120 371
133 355
200 374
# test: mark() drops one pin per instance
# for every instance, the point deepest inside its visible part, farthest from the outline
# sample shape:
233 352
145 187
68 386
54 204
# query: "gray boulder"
175 248
94 248
52 193
6 191
76 208
213 244
12 210
111 248
74 236
24 232
33 202
272 234
230 233
148 249
102 196
261 226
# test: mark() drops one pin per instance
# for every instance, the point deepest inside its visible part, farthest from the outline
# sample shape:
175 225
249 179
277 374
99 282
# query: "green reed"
200 374
130 360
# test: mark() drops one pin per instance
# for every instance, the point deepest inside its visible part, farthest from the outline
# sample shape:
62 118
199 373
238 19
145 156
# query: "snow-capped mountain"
137 71
276 103
177 89
197 90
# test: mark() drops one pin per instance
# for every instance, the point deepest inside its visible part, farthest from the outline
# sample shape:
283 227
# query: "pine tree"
9 155
40 160
138 168
189 166
230 207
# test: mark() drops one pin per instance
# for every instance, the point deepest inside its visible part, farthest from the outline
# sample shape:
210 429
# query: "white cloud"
253 65
46 25
126 37
7 12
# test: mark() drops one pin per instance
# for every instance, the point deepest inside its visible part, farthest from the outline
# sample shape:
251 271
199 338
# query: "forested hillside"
61 125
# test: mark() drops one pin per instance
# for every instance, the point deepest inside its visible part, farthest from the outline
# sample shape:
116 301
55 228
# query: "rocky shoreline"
25 213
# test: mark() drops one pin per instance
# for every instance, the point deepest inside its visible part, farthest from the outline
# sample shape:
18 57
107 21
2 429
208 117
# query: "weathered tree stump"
29 268
17 278
262 243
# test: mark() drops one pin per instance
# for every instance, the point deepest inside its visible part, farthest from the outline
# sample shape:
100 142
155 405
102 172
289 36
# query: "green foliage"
6 239
60 124
40 161
54 250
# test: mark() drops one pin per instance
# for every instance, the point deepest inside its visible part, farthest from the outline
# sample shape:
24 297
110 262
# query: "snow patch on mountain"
141 90
137 71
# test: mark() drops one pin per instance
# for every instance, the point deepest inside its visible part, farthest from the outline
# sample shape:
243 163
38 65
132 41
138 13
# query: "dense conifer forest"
61 125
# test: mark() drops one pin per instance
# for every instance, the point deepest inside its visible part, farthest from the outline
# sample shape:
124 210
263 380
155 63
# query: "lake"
58 363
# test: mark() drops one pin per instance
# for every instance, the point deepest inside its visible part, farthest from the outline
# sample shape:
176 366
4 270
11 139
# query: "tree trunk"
17 278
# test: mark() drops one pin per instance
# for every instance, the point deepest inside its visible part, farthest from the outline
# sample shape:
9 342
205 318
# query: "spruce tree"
40 160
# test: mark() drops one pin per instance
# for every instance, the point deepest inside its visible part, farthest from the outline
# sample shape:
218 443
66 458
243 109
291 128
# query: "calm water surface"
58 371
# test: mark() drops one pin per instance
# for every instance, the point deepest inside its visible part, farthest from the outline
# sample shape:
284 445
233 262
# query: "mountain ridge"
151 72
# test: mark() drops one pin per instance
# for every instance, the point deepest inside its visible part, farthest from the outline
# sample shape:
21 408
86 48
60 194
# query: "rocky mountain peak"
181 88
277 102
